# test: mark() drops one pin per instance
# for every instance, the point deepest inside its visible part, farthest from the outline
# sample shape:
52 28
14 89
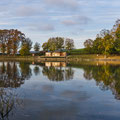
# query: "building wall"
48 64
56 54
63 54
48 54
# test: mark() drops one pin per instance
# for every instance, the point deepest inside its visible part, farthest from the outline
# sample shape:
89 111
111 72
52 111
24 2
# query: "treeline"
58 43
14 41
106 42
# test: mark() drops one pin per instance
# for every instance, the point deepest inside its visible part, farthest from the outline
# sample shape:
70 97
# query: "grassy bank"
93 58
17 58
70 58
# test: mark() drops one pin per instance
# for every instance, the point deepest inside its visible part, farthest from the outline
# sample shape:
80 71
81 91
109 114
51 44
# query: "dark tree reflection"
12 75
69 73
36 70
26 71
106 76
58 73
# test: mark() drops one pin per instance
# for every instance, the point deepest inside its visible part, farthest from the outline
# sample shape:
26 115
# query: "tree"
24 50
97 45
37 46
116 35
16 36
107 41
88 45
45 46
69 44
3 34
56 43
59 43
9 40
26 47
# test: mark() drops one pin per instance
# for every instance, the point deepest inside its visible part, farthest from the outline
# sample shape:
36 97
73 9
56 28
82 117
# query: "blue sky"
42 19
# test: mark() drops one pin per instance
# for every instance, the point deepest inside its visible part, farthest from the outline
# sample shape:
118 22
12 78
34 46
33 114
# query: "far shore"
70 58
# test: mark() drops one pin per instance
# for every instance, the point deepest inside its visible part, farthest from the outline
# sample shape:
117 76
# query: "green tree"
69 44
59 43
116 35
45 46
97 45
37 46
24 50
107 42
88 45
26 47
56 43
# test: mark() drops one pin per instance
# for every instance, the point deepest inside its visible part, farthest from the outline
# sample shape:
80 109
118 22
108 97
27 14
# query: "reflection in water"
56 99
106 77
57 71
11 76
8 102
14 75
55 64
58 74
36 70
26 72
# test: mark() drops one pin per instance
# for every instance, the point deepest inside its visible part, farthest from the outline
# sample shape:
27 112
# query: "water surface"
59 91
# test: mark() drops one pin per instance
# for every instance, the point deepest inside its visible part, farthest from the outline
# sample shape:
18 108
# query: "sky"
75 19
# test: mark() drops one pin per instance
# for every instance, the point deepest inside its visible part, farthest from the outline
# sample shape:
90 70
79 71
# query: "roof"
63 50
34 52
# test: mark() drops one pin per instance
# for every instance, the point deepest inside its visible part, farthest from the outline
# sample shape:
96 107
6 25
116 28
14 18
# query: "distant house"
34 53
48 54
56 54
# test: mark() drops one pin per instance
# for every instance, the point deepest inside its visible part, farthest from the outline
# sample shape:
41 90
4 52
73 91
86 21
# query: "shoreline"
71 58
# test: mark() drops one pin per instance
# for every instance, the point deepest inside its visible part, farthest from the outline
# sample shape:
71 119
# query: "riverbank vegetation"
14 42
107 42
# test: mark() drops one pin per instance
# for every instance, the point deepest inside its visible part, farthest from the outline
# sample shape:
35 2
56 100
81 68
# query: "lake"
59 91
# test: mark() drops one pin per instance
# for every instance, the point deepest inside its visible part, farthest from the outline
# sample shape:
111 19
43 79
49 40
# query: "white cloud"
29 11
76 20
69 4
41 27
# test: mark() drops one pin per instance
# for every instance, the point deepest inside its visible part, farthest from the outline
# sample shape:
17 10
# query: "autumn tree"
3 34
16 37
9 40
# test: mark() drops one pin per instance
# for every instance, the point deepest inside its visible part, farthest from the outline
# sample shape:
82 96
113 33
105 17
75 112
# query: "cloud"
76 20
26 11
41 27
69 4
